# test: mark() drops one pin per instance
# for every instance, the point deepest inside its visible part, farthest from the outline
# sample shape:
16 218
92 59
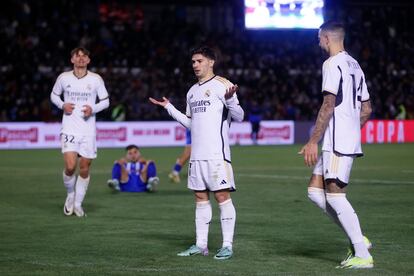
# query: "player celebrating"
345 109
80 88
211 104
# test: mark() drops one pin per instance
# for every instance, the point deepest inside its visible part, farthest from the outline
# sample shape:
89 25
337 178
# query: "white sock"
349 221
203 216
317 196
69 182
228 222
80 191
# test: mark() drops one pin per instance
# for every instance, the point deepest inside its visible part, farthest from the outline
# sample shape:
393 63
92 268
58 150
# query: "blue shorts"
134 184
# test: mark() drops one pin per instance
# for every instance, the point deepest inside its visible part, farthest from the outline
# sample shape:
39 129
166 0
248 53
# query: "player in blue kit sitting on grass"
133 173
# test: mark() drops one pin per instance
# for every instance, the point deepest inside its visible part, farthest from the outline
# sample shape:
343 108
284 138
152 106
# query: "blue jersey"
187 137
255 114
134 183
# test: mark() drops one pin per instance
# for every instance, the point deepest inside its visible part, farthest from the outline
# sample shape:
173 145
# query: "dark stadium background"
141 49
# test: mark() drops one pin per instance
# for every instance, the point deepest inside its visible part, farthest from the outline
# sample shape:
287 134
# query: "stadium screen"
283 14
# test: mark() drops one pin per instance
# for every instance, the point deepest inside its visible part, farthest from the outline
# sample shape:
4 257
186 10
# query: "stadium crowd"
140 57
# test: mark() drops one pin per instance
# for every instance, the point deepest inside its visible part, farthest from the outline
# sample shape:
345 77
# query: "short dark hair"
204 50
333 26
129 147
79 49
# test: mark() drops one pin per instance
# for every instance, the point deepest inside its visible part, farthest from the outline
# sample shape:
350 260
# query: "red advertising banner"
150 134
25 134
388 131
145 134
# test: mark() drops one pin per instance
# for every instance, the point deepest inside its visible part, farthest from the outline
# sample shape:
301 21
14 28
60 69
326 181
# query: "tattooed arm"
366 111
324 115
310 150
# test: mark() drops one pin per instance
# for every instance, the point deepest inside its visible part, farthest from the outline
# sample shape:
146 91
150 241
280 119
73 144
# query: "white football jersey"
80 91
343 77
210 117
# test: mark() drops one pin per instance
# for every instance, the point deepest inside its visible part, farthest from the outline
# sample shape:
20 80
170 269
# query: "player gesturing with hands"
211 104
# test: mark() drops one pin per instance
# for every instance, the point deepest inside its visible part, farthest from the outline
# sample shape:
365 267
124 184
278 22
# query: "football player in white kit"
345 109
211 105
80 88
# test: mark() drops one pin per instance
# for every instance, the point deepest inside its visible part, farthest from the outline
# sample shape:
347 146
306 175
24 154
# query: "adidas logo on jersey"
207 93
223 182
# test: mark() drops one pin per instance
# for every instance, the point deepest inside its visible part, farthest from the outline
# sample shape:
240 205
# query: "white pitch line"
123 268
276 176
407 171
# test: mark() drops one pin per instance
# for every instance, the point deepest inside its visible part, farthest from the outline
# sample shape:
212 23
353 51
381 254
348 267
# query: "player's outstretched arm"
162 103
232 103
174 112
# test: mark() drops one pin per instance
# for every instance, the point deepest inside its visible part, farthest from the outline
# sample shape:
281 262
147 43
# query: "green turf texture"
278 230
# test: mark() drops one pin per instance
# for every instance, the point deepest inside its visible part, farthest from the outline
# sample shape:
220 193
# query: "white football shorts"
85 146
211 175
334 166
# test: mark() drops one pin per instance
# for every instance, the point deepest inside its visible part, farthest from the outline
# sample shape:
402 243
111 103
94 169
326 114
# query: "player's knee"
222 196
151 170
317 196
316 181
201 196
84 166
84 172
70 169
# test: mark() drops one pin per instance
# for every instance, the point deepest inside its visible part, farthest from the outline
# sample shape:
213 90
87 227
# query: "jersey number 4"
356 92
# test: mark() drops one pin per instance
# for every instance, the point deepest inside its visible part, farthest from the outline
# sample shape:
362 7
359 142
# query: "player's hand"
310 154
163 103
122 161
87 111
68 108
230 92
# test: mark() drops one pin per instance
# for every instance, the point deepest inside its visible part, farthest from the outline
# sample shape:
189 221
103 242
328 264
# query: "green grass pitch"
278 230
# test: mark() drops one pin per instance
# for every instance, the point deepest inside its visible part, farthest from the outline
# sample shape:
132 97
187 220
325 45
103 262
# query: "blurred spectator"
118 112
254 114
